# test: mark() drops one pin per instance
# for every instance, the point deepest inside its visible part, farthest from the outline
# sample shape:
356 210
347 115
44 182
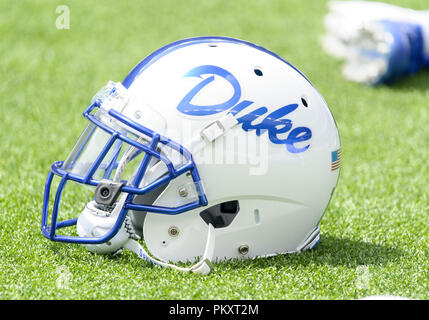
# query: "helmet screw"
244 249
173 231
183 192
105 192
138 114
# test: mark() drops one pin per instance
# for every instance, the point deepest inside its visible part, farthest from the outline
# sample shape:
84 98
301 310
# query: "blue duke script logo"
274 123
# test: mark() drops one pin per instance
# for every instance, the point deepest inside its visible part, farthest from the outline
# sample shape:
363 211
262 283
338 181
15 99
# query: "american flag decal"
336 159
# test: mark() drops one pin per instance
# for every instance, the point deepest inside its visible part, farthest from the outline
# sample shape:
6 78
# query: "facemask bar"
133 189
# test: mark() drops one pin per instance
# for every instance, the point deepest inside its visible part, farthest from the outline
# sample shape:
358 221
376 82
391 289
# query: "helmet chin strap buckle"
107 192
204 266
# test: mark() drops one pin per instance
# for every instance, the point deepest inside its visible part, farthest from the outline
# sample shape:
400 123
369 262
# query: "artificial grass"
375 232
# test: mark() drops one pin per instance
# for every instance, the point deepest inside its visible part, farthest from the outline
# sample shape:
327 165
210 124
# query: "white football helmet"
211 147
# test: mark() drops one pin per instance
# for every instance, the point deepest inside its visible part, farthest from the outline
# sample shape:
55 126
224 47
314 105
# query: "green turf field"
375 233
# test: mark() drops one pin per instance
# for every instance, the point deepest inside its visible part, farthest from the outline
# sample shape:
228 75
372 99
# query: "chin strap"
211 132
204 266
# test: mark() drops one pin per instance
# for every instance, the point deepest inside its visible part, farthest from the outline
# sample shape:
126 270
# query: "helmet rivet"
173 231
183 192
138 114
244 249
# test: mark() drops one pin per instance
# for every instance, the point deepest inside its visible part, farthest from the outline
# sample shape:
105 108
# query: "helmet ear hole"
222 214
229 207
